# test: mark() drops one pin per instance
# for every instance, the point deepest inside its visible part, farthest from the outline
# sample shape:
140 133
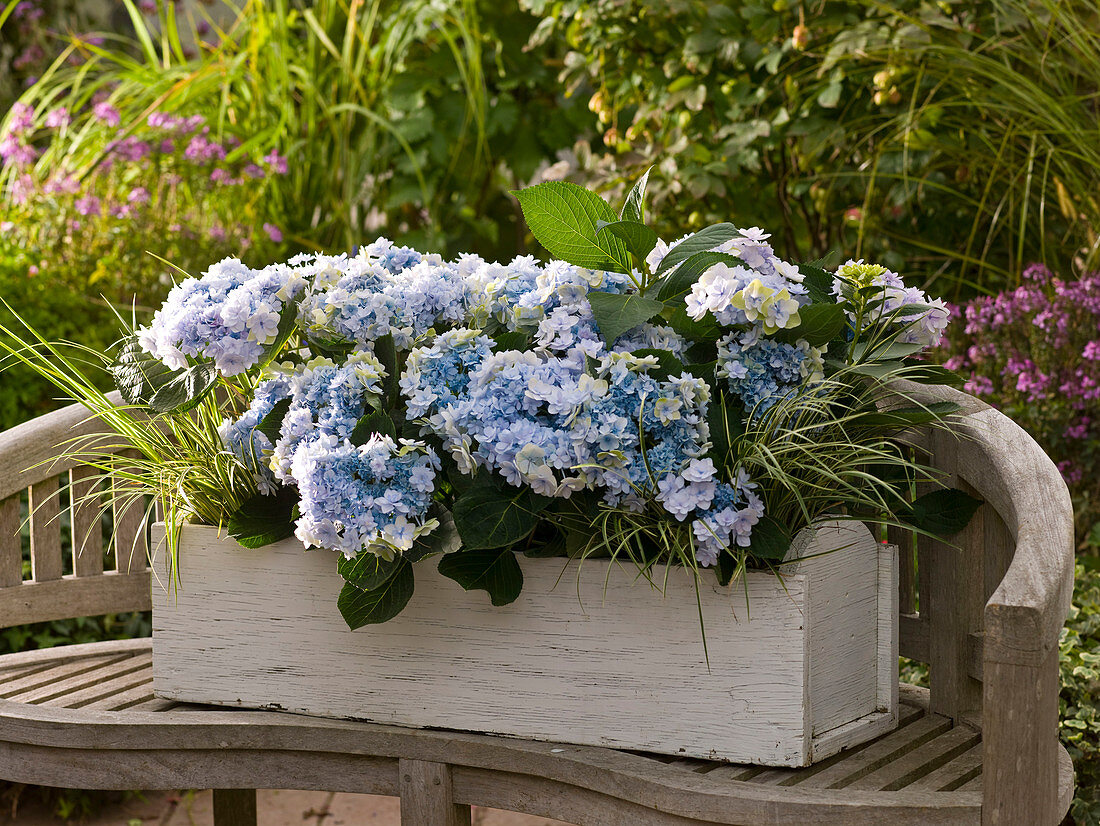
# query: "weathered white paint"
568 661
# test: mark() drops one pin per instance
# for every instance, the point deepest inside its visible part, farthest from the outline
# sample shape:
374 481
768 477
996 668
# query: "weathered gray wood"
130 539
74 597
1021 735
954 605
75 677
913 637
953 774
40 679
46 563
907 567
926 757
30 450
123 699
221 639
11 545
235 807
427 795
87 527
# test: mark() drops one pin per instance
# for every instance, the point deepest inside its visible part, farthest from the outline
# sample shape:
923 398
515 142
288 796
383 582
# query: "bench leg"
234 807
427 796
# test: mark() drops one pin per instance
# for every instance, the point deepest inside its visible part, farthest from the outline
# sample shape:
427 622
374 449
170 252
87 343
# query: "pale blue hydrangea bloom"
228 316
373 497
761 371
249 445
733 512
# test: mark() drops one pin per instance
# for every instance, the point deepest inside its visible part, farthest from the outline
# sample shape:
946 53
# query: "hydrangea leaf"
667 363
495 571
679 282
820 324
263 520
562 217
702 241
361 607
615 313
883 350
706 329
288 322
818 283
386 353
144 379
487 517
942 512
370 424
639 238
368 571
634 207
770 540
271 424
443 540
510 340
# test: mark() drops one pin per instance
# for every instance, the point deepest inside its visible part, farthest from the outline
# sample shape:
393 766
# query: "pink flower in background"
58 118
22 118
106 113
88 205
138 196
979 385
217 233
22 189
221 176
132 149
203 150
1091 351
62 185
167 146
276 161
1080 430
253 171
273 232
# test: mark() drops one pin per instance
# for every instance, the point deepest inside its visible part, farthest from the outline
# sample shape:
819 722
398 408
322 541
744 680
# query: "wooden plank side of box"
572 660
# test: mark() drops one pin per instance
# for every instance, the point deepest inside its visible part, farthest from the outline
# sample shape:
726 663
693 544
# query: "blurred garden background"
956 142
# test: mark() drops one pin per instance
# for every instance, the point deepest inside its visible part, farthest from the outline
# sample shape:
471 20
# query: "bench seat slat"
927 757
83 678
49 676
877 754
952 775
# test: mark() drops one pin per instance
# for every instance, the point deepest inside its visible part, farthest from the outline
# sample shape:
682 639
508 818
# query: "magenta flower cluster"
1035 352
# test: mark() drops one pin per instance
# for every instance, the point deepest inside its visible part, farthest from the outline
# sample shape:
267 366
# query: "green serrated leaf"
702 241
495 571
562 217
370 424
942 512
361 607
680 281
818 284
264 519
770 540
820 324
668 364
634 208
704 330
487 517
615 313
510 340
725 417
288 322
368 571
639 238
272 423
144 379
386 353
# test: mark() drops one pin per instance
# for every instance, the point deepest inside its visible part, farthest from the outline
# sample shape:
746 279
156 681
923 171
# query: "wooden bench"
979 746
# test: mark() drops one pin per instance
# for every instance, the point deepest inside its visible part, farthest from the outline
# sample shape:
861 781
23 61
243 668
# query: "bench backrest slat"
45 517
87 521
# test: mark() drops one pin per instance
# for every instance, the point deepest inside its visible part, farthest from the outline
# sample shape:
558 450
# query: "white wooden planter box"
799 669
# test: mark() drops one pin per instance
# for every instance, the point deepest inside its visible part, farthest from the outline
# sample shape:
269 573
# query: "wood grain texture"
87 530
45 510
74 597
11 545
427 795
450 659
